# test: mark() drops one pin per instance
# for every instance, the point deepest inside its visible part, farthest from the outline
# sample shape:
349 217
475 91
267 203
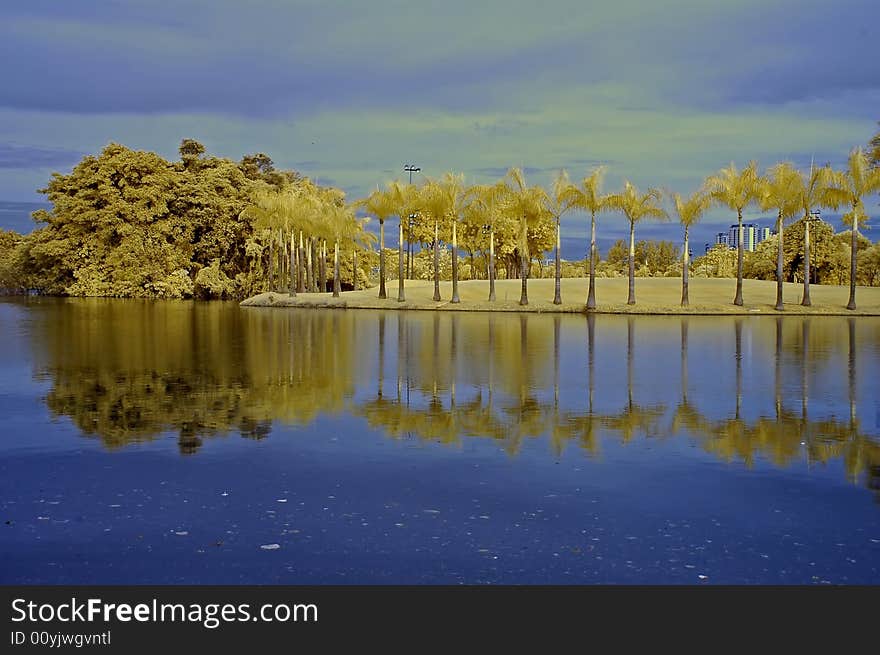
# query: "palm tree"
814 190
452 187
282 212
401 198
689 212
850 188
779 192
590 199
484 202
436 202
636 206
528 206
381 205
561 203
343 227
737 190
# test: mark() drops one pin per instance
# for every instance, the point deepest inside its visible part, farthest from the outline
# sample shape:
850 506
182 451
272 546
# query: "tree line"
129 223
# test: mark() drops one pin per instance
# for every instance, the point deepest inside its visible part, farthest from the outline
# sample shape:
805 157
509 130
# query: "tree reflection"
128 371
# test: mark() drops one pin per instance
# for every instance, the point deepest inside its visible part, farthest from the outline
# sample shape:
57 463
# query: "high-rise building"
752 236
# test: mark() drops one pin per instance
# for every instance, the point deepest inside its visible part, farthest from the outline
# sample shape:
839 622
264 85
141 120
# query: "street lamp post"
410 168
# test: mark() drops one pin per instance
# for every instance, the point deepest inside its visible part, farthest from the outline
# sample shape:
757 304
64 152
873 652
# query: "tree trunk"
300 267
455 298
685 300
354 268
282 255
591 296
806 300
436 262
631 300
316 258
336 284
492 264
382 294
738 299
401 295
557 295
290 258
780 260
323 265
310 280
272 263
853 262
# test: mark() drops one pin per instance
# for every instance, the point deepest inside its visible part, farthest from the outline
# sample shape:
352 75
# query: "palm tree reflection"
502 377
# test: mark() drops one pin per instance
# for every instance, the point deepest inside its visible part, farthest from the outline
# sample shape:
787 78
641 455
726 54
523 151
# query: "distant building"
752 235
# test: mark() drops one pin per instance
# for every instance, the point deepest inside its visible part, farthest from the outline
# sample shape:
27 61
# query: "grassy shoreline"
653 296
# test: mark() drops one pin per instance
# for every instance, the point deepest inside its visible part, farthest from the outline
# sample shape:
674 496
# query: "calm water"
163 442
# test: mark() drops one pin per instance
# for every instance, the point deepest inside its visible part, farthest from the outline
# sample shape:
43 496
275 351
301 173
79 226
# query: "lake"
195 443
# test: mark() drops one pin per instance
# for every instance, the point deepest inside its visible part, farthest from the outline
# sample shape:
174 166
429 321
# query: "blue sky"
664 93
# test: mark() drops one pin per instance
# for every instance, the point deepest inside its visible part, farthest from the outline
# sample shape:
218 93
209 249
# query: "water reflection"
742 389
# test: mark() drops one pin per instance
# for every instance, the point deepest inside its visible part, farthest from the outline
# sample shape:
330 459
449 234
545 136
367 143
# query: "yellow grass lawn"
653 296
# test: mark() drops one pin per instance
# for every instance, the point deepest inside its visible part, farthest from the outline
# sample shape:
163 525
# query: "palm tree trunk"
632 264
354 268
282 250
524 275
492 263
455 298
336 284
738 299
591 296
323 265
316 258
300 273
806 300
685 301
436 262
401 295
290 258
780 258
557 297
272 263
382 294
310 278
853 263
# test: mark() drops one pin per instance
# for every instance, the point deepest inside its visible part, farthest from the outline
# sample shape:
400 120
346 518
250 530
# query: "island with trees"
128 224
